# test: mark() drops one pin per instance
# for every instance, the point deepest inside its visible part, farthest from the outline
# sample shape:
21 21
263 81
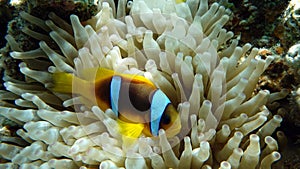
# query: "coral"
18 28
288 32
6 15
283 73
291 110
255 20
293 60
183 49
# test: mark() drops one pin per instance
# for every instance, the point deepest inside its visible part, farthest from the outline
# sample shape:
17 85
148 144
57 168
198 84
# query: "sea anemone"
183 49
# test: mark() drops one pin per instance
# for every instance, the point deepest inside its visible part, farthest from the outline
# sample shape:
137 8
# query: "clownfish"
140 107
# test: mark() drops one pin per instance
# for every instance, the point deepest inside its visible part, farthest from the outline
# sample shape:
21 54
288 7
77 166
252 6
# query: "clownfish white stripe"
115 87
158 105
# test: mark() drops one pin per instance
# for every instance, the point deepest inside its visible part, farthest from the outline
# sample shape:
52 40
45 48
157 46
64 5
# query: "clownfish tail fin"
62 82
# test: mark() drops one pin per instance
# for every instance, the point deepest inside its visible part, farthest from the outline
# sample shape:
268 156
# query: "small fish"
139 105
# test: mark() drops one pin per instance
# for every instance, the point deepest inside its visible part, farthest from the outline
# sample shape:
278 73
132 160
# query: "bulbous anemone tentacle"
183 49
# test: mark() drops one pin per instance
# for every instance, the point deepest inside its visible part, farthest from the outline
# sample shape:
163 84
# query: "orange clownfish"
139 105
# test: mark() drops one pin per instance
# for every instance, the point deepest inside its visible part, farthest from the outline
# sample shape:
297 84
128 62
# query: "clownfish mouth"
174 129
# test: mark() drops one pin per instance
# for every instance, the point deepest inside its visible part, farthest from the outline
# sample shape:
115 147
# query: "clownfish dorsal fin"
92 74
131 130
158 105
138 79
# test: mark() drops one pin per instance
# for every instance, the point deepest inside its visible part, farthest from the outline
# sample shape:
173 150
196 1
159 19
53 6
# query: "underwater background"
271 26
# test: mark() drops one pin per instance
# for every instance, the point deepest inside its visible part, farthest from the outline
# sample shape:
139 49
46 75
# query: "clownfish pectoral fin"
128 143
131 130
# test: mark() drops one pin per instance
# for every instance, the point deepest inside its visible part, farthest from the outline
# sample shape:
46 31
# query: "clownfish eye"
129 4
165 119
